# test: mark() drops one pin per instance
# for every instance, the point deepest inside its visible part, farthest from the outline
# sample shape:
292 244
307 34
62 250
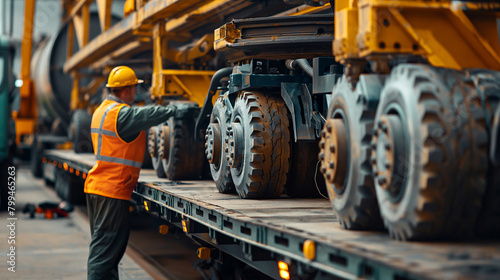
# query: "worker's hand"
179 110
183 109
173 109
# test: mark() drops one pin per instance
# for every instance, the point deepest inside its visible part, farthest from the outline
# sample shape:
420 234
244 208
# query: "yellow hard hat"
122 76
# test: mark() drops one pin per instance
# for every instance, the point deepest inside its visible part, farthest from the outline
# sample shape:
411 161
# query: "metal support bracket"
298 100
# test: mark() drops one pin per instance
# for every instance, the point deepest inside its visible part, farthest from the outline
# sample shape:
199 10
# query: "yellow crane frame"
455 35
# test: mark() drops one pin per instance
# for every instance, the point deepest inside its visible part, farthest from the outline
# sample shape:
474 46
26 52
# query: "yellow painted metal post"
71 35
157 83
129 7
75 93
346 29
104 11
26 117
86 24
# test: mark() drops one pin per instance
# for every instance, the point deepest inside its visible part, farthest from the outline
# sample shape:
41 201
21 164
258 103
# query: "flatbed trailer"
279 237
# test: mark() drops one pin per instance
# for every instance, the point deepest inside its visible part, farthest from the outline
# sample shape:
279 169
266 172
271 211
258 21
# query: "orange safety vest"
118 163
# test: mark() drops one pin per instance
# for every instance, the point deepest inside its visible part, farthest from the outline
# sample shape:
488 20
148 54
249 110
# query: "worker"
119 142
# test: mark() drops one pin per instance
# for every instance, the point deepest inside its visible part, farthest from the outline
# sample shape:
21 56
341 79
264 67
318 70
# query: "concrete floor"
49 249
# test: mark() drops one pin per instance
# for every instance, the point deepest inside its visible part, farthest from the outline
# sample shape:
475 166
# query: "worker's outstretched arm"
133 120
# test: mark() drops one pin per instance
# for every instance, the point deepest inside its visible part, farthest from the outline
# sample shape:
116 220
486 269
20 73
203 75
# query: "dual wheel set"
249 146
174 152
414 156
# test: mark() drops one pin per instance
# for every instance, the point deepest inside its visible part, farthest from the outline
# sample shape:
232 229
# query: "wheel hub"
389 154
334 151
235 145
164 145
213 144
152 149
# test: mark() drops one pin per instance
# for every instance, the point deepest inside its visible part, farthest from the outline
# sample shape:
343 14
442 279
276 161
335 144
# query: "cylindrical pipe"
302 63
204 116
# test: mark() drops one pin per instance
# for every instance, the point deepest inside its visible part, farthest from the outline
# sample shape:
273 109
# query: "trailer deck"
263 232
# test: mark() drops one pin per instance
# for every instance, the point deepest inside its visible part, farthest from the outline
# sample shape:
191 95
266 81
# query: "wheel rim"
155 146
152 148
236 145
334 153
353 193
164 148
216 148
389 153
213 145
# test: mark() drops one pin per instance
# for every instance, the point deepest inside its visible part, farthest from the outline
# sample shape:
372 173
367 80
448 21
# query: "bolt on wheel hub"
334 152
235 145
213 144
389 154
164 147
152 148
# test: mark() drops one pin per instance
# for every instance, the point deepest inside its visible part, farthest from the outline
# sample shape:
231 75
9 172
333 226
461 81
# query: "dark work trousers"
110 229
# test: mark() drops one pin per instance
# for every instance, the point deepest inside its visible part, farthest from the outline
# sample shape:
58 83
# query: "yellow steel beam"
69 41
27 42
161 9
304 10
129 7
346 28
78 24
447 34
74 9
157 82
188 72
225 36
75 93
86 24
103 44
190 84
187 55
104 11
124 52
486 52
81 22
206 12
26 117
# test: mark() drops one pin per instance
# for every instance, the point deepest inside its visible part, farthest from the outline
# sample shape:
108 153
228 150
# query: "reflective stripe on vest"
101 132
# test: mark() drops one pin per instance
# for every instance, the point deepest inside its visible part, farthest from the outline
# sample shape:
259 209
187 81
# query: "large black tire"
474 158
215 148
259 145
429 154
79 132
304 180
156 150
487 84
185 156
345 155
